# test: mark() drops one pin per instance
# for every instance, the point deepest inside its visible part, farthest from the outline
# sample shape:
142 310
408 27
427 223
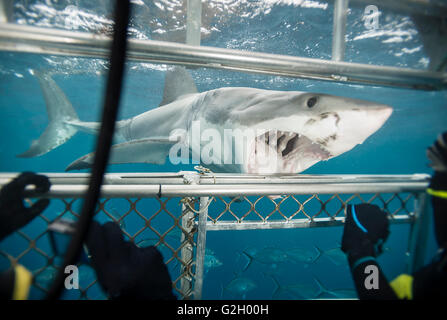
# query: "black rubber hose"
104 141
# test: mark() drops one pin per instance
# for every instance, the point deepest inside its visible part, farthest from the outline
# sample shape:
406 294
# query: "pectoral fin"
152 151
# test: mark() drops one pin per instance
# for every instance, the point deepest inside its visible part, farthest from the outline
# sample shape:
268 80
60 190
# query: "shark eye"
311 102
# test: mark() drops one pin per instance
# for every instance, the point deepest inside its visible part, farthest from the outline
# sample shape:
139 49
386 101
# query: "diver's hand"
124 270
366 229
437 153
13 212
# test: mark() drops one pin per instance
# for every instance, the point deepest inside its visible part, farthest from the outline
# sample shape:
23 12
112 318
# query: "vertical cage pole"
6 8
188 225
339 29
201 247
187 251
419 233
193 22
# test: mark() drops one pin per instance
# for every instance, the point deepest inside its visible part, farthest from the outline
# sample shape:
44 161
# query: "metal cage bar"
339 29
401 195
232 185
193 22
22 38
201 247
419 233
187 250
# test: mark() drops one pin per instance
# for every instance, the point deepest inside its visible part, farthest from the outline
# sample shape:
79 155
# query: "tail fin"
321 288
320 252
278 286
59 111
250 260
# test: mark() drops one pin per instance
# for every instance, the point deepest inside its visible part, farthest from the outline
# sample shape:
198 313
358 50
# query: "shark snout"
378 115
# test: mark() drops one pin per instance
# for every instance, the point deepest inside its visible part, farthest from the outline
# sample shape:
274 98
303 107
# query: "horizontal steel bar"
289 224
273 186
229 190
224 178
24 38
234 190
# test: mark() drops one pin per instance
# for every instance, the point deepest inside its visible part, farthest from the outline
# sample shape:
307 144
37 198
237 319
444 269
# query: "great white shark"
298 129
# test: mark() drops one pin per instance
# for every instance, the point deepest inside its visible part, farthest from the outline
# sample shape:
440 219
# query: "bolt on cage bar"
196 203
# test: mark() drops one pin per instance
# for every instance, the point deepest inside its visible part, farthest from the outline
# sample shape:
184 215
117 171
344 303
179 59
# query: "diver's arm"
14 214
370 282
437 154
16 282
366 229
125 271
431 281
438 191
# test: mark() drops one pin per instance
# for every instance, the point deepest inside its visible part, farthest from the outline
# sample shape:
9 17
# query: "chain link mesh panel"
304 208
170 224
145 222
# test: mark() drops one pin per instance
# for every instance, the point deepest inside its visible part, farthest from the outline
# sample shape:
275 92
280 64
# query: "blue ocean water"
301 28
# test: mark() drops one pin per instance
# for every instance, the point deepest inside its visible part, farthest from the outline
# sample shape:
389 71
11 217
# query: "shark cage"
194 203
199 202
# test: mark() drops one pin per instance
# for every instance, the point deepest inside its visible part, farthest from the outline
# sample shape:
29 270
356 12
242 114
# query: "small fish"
309 291
335 293
336 256
239 286
304 255
210 260
269 256
295 291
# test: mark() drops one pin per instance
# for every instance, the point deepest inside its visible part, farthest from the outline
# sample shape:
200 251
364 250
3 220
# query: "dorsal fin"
178 82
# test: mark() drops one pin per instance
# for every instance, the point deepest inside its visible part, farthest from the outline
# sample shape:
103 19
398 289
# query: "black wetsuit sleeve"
7 284
370 282
430 282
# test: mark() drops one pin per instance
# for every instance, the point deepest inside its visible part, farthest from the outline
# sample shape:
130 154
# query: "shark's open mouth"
284 152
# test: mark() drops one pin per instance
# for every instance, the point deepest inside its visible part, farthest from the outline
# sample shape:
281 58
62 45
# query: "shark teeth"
287 143
282 141
285 152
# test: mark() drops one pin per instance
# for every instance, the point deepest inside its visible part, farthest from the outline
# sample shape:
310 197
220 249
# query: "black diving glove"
124 270
366 229
13 212
437 153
